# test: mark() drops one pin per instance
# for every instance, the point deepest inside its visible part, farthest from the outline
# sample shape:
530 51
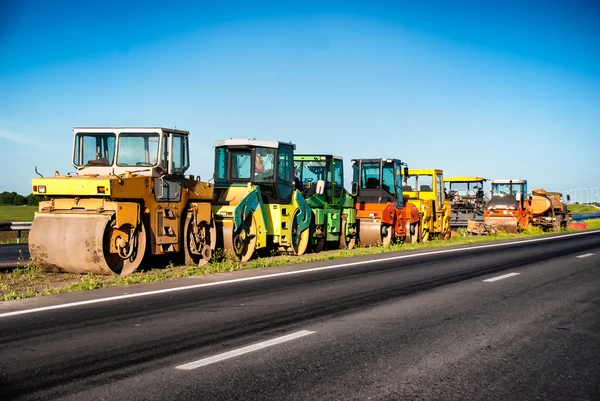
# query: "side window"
388 178
179 155
338 173
285 168
440 188
220 164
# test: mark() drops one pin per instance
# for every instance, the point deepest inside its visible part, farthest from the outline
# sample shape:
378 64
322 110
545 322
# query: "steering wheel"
144 164
308 180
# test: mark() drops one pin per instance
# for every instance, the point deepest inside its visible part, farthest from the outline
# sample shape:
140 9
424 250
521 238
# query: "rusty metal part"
508 224
80 243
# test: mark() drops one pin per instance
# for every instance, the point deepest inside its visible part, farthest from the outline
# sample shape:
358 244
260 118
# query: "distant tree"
7 198
19 200
33 200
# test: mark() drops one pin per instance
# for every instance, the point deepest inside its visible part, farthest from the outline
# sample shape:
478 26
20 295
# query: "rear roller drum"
199 241
299 247
346 243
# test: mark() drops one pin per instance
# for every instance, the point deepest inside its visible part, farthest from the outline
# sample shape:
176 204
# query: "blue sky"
501 89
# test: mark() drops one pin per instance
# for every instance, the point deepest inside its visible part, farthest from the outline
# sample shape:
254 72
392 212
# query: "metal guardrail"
17 226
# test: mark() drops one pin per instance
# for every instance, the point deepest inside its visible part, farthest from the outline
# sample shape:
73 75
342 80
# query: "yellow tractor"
256 204
425 189
128 199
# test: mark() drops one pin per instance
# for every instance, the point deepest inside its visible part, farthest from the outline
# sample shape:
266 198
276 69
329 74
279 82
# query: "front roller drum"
507 224
242 245
374 233
80 243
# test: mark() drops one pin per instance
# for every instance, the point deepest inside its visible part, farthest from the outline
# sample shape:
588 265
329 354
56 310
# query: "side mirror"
354 188
320 187
488 196
518 196
405 172
568 198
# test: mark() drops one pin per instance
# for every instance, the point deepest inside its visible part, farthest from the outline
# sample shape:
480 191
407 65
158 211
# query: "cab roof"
253 143
462 178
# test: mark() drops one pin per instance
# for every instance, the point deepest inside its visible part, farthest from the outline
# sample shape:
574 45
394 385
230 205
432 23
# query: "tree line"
15 199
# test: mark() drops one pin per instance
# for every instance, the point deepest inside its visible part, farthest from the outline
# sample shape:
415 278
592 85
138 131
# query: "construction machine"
256 205
508 209
424 188
382 212
467 200
548 211
129 198
320 178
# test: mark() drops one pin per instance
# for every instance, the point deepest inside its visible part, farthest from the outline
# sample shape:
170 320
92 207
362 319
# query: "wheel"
413 232
346 243
319 245
299 248
387 238
121 266
243 245
198 243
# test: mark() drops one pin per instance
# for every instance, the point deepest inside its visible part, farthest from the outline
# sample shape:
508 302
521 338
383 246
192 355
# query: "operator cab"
267 164
151 152
508 194
319 175
377 181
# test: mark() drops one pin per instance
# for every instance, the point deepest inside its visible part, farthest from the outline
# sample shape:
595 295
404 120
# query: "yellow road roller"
129 198
425 189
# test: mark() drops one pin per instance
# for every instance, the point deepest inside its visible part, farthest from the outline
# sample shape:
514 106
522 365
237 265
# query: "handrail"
17 226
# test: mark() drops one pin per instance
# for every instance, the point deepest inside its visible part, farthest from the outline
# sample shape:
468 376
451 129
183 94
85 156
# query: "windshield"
505 189
422 183
309 172
139 150
465 188
94 149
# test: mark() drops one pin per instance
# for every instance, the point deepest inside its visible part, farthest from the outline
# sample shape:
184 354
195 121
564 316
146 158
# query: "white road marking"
295 272
244 350
585 256
490 280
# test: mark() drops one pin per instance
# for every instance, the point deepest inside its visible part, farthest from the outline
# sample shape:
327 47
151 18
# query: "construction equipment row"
130 201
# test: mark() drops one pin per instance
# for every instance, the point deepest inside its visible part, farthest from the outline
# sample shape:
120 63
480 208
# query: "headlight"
42 189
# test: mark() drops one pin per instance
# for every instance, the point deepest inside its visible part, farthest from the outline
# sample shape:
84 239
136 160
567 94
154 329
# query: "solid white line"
295 272
244 350
585 256
490 280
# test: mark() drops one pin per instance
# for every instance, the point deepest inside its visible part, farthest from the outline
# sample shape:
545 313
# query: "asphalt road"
419 327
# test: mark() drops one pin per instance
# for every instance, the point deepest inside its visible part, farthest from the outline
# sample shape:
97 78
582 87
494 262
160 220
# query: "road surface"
486 322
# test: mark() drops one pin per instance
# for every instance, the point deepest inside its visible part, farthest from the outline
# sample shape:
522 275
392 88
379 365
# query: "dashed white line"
490 280
295 272
244 350
585 256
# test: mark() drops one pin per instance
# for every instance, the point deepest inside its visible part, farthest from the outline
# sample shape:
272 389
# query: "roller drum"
508 224
370 233
79 243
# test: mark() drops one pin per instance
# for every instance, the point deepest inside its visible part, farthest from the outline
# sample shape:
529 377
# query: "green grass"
582 209
30 281
17 213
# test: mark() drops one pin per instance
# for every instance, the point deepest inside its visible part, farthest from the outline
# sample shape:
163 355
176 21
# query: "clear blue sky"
501 89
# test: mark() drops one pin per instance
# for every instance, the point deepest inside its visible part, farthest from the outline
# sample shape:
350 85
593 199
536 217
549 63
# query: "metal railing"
17 226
